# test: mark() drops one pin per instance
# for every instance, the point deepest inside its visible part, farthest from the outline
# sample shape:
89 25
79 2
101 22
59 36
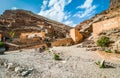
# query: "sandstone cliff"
114 3
86 26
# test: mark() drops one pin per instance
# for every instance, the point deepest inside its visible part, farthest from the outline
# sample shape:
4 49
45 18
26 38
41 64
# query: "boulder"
2 50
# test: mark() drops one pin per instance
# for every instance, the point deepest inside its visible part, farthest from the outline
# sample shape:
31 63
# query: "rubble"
19 71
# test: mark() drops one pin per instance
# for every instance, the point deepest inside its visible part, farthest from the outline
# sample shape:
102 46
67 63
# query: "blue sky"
70 12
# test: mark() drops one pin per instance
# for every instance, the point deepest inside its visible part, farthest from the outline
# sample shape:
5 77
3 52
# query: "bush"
56 57
108 51
103 41
1 44
101 64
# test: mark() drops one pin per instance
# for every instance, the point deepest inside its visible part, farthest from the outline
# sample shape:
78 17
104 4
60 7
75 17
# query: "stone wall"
38 46
105 25
63 42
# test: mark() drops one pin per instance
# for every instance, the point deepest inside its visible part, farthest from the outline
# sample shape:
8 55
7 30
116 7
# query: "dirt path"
2 72
75 63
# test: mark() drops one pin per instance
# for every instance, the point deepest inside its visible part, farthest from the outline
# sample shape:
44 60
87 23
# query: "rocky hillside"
23 21
114 37
86 27
114 3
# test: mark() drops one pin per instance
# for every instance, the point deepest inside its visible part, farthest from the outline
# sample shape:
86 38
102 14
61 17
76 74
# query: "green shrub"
108 51
101 64
103 41
56 57
12 34
1 44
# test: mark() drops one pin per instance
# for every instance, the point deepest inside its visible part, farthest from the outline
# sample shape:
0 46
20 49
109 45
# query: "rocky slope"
86 27
114 3
114 36
23 21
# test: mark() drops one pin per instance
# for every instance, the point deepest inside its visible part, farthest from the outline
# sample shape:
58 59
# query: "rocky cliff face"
26 21
114 36
114 3
86 26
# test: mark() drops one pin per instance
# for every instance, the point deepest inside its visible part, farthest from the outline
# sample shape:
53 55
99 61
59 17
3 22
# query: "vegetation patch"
108 51
101 64
56 57
103 41
1 44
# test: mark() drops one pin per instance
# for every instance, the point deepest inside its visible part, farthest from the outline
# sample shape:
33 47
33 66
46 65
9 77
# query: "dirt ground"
75 63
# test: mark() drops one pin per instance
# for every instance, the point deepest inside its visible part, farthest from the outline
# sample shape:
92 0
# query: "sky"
69 12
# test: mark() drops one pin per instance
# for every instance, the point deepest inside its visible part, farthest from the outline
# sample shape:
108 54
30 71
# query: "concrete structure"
31 35
76 35
105 25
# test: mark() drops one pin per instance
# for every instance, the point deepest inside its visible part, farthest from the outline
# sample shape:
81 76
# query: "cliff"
114 3
86 26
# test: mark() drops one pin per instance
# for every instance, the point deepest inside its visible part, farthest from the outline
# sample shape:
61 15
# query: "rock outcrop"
114 3
86 27
114 36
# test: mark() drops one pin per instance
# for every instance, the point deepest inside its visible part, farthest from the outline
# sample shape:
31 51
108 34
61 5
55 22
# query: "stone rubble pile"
14 70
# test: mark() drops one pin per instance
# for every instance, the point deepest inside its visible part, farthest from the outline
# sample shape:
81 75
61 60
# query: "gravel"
75 63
